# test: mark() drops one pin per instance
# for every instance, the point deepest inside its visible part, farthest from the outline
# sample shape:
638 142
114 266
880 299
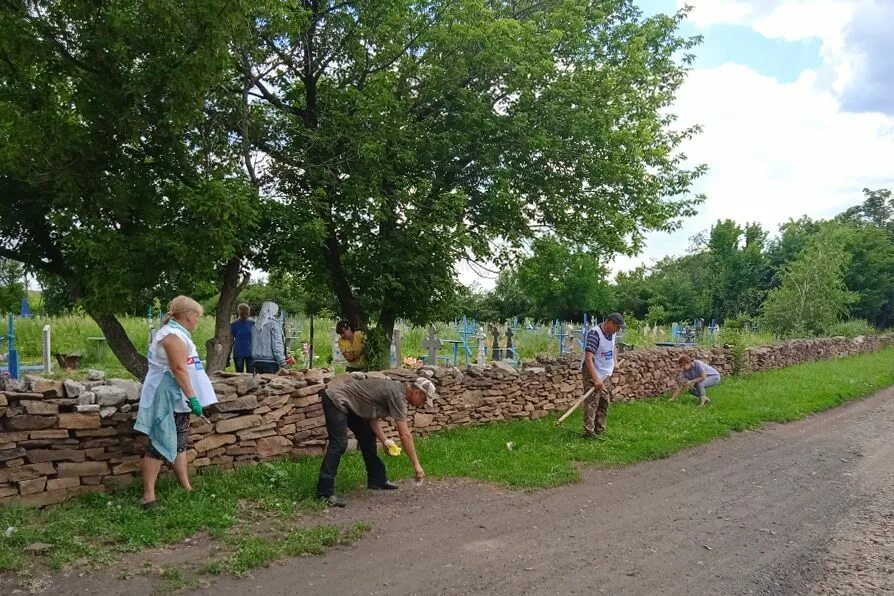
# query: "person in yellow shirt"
351 345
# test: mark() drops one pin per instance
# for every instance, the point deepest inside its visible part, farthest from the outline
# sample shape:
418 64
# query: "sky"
796 98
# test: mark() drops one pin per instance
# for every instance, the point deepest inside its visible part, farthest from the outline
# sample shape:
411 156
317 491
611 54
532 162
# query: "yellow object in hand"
392 448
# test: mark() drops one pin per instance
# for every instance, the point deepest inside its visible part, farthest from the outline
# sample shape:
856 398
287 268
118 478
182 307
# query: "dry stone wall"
59 439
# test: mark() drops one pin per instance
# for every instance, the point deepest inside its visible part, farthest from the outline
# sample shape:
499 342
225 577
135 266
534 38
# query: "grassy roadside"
99 528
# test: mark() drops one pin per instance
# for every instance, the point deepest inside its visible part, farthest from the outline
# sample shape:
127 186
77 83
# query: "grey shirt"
697 369
371 398
268 344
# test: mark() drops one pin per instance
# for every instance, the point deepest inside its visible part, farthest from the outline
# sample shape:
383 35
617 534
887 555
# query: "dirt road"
794 509
789 510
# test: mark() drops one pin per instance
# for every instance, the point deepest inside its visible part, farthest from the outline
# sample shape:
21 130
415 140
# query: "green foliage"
427 132
562 284
851 329
377 351
12 290
812 295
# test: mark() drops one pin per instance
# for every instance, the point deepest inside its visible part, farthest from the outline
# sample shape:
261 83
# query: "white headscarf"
268 313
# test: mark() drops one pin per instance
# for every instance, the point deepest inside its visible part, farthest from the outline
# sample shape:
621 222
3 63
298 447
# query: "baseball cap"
428 388
615 318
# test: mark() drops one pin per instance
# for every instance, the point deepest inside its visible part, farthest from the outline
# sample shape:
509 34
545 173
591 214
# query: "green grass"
103 526
252 552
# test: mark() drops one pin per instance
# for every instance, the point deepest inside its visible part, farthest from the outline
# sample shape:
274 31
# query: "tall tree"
408 135
563 284
812 295
115 172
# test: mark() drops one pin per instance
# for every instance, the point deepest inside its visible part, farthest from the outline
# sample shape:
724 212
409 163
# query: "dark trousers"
337 425
243 363
263 367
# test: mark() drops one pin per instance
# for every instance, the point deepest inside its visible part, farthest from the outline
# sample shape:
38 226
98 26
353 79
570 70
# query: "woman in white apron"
175 386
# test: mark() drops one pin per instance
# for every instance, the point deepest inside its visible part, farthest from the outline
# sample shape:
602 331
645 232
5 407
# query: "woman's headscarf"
268 313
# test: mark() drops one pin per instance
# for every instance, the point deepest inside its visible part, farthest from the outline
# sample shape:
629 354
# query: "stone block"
87 398
273 446
421 420
61 483
40 408
234 424
33 486
130 388
79 421
46 387
26 472
244 383
12 453
30 422
73 388
213 442
36 456
107 412
277 414
108 396
308 391
246 402
90 468
52 497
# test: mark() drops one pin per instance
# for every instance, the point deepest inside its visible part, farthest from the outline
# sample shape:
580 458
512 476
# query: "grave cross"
433 344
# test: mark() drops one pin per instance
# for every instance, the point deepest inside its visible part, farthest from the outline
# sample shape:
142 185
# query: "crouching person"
696 376
176 385
360 405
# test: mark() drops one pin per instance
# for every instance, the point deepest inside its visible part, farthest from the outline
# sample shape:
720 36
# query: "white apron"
159 365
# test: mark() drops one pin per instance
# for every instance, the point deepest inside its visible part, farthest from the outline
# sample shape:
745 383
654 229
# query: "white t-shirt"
604 357
159 365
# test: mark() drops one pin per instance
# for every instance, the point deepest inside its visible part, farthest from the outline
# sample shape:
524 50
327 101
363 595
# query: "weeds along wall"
59 439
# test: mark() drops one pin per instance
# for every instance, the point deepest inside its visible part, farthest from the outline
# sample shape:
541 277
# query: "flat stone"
9 454
33 486
89 468
79 421
37 547
107 411
22 395
108 396
87 398
422 420
46 387
247 402
213 442
83 409
61 483
26 472
308 391
73 388
40 408
244 383
130 388
30 422
233 424
52 497
273 446
36 456
49 434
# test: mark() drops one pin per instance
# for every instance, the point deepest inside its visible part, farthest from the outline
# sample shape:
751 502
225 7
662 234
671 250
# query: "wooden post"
47 366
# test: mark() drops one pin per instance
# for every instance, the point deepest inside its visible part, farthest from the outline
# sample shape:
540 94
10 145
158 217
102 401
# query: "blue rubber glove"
195 406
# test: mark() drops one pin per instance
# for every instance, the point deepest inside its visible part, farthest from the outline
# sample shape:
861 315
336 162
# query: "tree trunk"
350 306
120 344
218 347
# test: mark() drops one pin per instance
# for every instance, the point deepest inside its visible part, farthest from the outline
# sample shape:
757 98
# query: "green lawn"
227 504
